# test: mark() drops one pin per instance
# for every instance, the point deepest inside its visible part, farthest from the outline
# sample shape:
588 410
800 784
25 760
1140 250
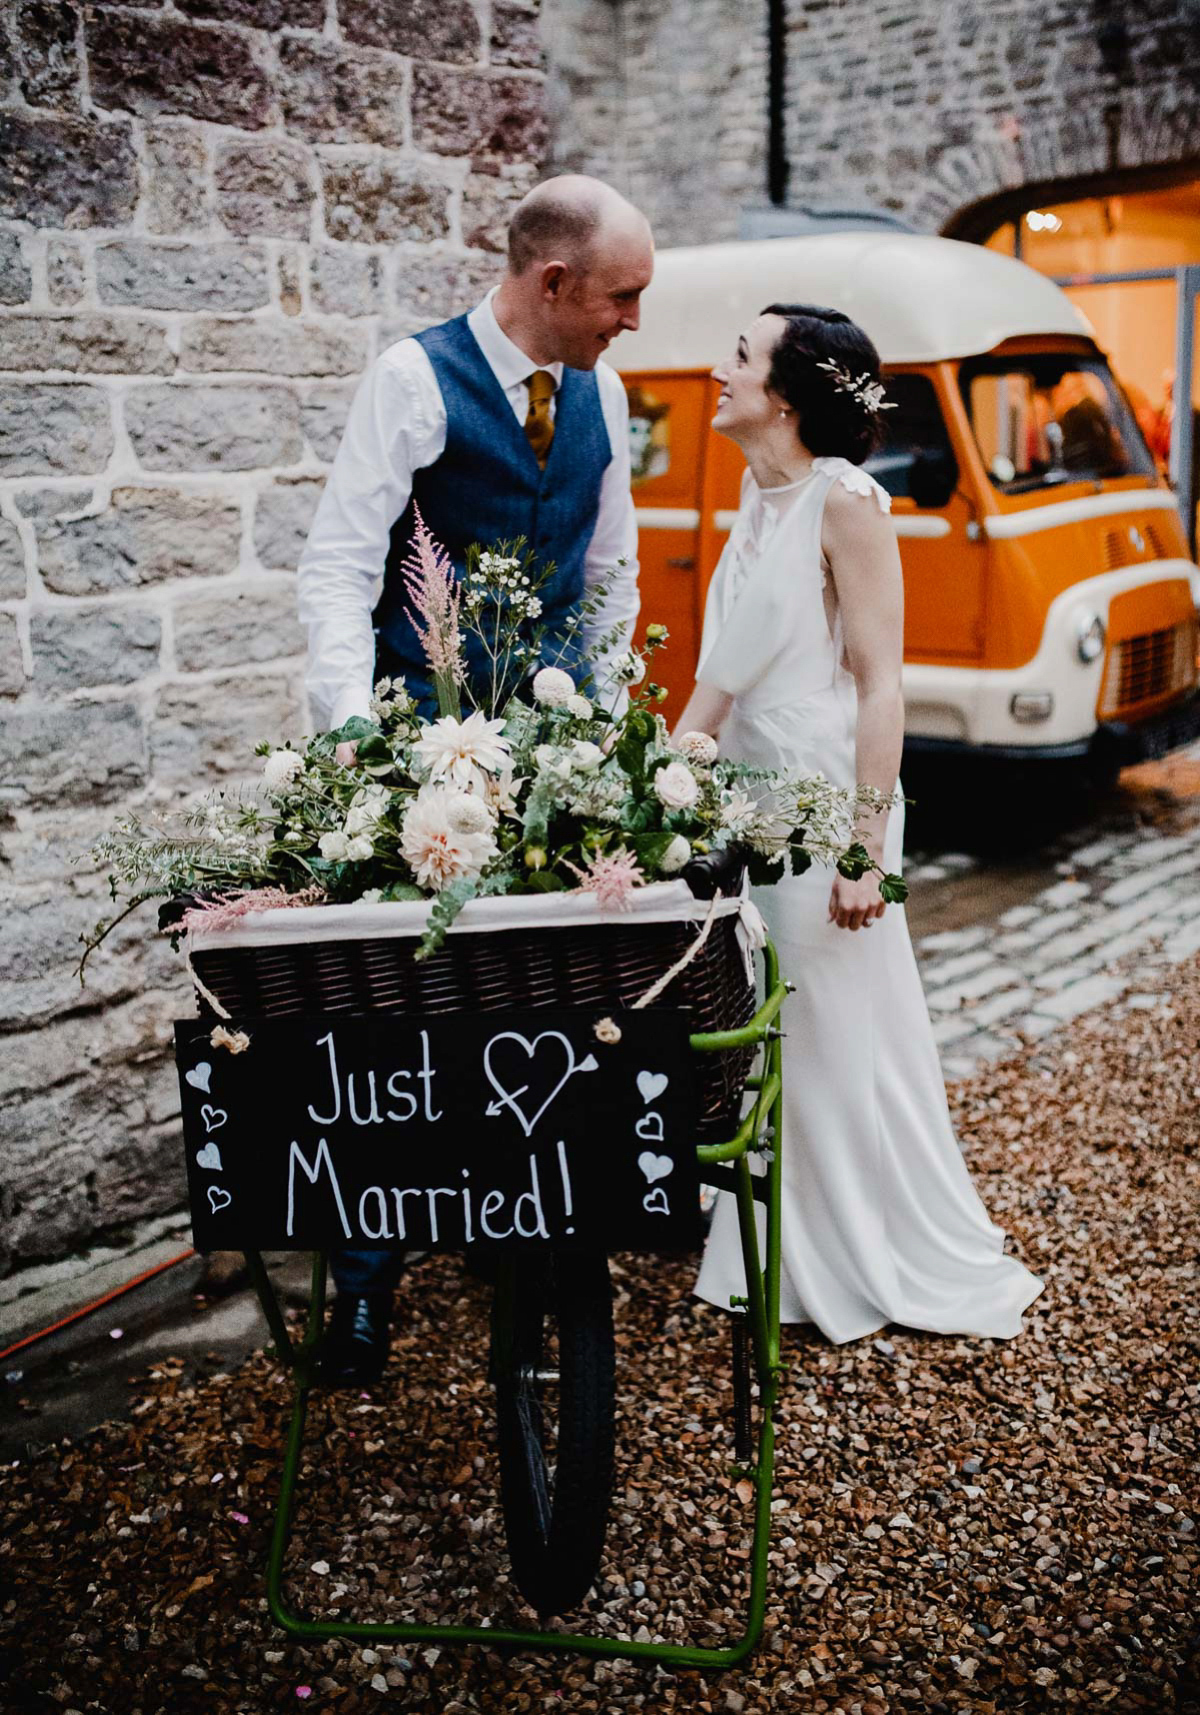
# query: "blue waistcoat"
487 487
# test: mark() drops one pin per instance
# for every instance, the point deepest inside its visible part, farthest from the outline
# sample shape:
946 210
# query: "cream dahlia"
437 851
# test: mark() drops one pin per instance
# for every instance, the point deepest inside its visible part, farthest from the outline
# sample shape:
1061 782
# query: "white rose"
469 815
550 757
281 768
578 706
553 688
358 818
676 786
359 849
698 747
676 855
586 755
334 847
372 896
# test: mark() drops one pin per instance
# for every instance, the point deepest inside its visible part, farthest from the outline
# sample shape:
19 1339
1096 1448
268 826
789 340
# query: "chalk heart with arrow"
520 1070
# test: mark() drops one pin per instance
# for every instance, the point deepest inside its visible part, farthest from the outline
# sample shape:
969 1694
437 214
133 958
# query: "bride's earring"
782 415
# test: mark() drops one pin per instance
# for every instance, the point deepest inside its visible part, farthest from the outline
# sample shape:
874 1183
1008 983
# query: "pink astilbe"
224 913
612 877
433 589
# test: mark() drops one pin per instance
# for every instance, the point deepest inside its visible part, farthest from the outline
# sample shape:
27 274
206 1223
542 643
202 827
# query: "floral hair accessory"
869 393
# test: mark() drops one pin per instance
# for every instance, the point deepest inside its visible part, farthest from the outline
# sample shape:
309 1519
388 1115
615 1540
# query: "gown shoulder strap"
855 478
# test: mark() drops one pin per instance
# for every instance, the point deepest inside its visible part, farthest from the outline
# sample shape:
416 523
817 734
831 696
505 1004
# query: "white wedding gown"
881 1222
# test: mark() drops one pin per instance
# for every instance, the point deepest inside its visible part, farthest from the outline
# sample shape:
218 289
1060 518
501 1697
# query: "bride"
800 668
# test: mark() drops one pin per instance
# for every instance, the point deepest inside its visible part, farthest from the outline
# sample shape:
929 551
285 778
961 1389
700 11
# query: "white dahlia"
281 768
462 753
699 747
468 814
437 851
553 688
675 856
579 706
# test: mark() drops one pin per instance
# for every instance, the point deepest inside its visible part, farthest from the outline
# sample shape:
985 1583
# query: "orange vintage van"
1050 602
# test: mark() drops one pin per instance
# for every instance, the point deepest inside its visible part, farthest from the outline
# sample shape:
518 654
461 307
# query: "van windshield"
1051 417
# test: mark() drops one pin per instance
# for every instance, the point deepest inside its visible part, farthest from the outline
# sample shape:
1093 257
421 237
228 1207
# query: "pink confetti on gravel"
115 1333
240 1518
304 1691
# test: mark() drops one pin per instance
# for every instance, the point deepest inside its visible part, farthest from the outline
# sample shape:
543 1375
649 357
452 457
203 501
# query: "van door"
944 569
668 440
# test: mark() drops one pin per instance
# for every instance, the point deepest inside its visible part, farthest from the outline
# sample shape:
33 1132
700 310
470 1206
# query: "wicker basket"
594 967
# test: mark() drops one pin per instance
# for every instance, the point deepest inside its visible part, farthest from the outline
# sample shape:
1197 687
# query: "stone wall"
921 108
213 214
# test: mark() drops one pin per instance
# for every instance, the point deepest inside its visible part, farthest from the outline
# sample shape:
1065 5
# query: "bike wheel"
552 1365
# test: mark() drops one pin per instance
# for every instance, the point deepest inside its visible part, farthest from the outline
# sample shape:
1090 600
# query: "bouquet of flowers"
518 785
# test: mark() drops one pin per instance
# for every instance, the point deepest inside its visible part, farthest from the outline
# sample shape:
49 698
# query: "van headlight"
1089 638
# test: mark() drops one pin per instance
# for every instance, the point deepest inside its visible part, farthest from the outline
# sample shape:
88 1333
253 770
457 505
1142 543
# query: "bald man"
497 424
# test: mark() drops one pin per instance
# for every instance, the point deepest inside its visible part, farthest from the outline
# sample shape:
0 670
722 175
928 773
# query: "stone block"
12 663
14 582
283 514
432 287
52 427
427 29
176 167
487 205
151 66
234 627
146 536
16 281
261 14
288 265
85 753
46 34
323 417
205 731
77 648
66 172
166 276
66 271
332 94
516 37
264 187
118 344
378 199
207 428
489 118
344 282
275 347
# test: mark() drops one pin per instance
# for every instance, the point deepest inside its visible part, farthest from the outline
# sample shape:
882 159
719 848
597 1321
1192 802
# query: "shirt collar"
508 362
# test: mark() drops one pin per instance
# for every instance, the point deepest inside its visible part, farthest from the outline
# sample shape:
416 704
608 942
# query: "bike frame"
728 1167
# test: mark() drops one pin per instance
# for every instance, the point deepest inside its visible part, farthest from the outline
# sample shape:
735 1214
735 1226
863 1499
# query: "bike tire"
555 1438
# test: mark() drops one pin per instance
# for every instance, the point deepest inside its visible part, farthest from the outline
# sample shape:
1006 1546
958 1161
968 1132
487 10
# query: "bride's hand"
855 904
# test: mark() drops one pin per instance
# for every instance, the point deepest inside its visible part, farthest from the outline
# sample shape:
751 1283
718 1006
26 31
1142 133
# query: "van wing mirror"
932 478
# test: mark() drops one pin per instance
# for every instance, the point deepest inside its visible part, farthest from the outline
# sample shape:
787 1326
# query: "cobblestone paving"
1124 907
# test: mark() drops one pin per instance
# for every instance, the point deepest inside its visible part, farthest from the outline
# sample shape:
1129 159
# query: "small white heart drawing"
199 1075
214 1118
655 1166
218 1199
655 1202
651 1085
209 1156
650 1127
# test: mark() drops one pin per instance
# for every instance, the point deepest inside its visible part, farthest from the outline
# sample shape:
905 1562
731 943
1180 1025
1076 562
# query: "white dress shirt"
397 425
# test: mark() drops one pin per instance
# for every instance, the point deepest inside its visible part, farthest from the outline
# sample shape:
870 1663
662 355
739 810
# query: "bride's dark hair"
831 421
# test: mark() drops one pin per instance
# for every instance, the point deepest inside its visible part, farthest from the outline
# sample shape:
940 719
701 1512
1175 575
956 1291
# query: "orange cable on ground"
87 1309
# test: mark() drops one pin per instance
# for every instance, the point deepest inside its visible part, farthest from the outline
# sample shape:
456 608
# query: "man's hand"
346 753
855 904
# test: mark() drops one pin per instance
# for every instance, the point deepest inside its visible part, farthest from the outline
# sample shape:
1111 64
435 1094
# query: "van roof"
921 299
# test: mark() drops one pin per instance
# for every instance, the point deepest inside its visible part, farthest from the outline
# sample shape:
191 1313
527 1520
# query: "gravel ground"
959 1525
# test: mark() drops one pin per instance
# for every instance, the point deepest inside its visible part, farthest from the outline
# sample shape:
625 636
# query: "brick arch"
1147 141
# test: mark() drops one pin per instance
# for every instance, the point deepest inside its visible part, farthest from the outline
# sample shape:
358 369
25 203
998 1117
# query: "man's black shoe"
357 1340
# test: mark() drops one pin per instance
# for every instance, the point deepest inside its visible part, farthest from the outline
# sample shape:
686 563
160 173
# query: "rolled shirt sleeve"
615 537
396 425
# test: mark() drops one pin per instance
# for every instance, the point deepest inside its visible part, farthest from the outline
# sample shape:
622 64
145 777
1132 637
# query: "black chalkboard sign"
443 1133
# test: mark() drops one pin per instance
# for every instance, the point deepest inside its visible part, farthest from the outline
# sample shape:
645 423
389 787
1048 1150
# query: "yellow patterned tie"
539 424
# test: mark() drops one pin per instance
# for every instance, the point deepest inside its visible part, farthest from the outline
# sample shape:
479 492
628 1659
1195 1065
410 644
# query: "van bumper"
1114 744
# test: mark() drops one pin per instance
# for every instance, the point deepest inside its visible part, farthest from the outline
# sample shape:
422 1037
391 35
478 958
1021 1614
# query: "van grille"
1120 550
1154 542
1157 664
